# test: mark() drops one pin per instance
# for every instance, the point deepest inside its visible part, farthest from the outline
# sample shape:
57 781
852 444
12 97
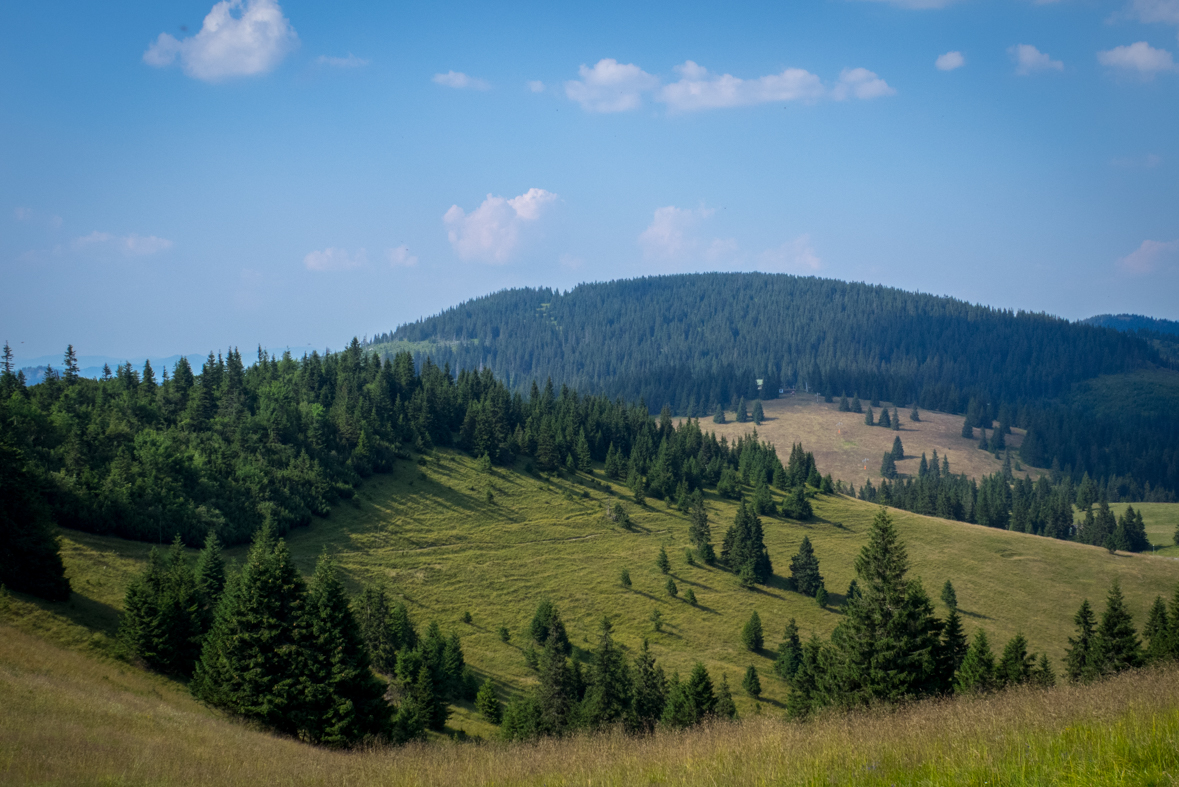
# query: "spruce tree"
662 561
1044 676
915 416
488 704
967 429
742 413
789 656
725 707
376 629
30 556
700 692
1080 660
949 597
719 416
752 636
804 569
1157 632
254 660
671 588
609 692
648 692
868 419
885 648
1116 644
624 578
888 466
554 698
898 450
844 407
952 651
547 625
885 418
977 672
690 596
856 406
745 546
210 570
345 700
758 414
821 597
805 685
1015 666
896 421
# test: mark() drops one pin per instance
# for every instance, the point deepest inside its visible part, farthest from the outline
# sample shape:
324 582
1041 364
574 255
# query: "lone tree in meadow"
949 597
758 414
898 449
752 636
662 561
752 683
804 569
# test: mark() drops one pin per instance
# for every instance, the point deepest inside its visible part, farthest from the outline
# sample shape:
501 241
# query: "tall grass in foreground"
70 719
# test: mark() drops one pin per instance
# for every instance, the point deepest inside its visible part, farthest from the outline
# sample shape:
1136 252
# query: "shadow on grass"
977 615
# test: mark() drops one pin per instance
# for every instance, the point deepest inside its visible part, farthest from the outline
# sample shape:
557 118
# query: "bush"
690 597
504 634
624 579
672 590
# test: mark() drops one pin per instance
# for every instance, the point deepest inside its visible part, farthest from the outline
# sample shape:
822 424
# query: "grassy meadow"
1161 520
841 442
428 533
70 719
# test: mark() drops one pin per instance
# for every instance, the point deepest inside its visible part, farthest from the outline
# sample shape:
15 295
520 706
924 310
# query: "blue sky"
180 177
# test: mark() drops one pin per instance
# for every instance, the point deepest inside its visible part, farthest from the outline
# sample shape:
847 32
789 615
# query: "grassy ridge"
430 535
72 719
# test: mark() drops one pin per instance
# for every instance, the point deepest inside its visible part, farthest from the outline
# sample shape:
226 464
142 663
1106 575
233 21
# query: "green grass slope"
70 719
430 535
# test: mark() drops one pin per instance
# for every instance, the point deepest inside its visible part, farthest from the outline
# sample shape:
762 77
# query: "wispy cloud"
1140 58
331 259
348 61
492 232
794 256
460 81
401 258
1152 255
699 89
238 38
1029 60
950 61
132 245
536 86
30 216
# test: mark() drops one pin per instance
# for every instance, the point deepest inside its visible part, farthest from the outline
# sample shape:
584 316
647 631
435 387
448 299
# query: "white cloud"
401 258
793 256
1028 60
699 89
334 260
459 80
610 86
669 235
491 232
1149 161
860 83
949 61
1151 256
238 38
1140 57
1155 11
132 245
28 215
351 61
536 86
614 87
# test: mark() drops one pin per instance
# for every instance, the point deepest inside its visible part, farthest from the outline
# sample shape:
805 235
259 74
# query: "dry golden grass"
842 441
71 719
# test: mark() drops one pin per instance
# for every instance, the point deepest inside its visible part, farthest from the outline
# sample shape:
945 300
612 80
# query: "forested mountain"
698 340
1134 322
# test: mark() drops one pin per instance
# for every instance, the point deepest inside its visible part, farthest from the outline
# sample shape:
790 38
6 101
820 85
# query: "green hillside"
429 534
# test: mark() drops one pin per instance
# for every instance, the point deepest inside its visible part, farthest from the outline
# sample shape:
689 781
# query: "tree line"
696 341
234 448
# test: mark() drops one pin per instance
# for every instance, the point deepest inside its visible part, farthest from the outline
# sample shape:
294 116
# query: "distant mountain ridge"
693 342
1134 322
